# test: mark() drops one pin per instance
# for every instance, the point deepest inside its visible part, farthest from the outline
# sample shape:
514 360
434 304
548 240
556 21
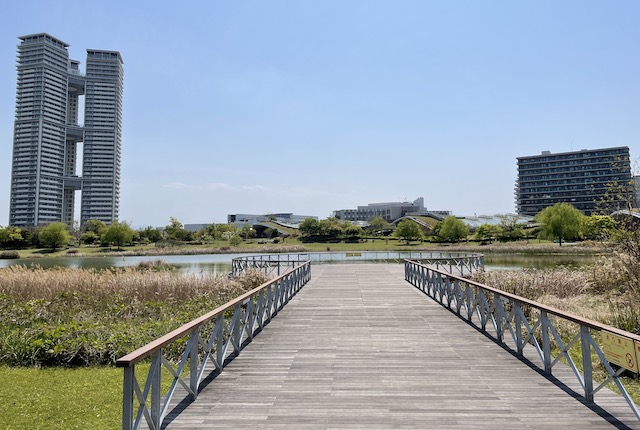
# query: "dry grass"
530 247
534 283
606 291
38 283
75 317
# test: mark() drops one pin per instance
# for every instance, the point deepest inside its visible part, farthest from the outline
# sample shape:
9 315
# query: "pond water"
221 263
207 263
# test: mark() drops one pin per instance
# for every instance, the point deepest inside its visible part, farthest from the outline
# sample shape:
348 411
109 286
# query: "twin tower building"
46 171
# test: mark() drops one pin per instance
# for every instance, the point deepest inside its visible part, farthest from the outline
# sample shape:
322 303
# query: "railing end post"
127 398
587 365
546 344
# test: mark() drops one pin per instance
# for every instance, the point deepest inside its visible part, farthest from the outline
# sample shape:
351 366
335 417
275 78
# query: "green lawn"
58 398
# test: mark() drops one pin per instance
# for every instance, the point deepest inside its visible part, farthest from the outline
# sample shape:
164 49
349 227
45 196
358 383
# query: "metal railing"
515 323
212 341
462 264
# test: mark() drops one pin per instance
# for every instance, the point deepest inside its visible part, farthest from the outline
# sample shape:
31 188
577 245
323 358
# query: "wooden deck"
359 347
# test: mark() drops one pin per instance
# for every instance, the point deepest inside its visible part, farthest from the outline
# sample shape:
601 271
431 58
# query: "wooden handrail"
549 309
147 350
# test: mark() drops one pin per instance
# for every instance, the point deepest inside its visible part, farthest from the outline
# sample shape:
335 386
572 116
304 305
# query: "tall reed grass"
84 316
606 291
529 247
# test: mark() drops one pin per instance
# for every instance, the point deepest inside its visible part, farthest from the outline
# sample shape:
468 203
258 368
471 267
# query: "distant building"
46 134
388 211
195 227
591 180
285 219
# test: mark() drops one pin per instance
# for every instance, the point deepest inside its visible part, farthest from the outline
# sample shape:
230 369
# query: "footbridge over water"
375 346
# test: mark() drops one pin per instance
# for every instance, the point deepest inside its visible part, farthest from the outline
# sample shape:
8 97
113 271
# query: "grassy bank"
295 245
152 250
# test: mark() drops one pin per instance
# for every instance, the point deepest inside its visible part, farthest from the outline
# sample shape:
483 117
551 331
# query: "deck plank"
359 347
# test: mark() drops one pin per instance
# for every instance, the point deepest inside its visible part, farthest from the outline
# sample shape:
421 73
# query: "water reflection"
545 261
187 264
221 263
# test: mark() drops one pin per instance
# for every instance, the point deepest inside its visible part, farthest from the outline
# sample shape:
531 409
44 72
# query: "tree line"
95 232
560 222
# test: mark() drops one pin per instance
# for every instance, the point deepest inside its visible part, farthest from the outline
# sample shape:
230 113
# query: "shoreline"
512 248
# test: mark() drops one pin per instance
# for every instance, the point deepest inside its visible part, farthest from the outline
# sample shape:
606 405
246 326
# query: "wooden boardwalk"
359 347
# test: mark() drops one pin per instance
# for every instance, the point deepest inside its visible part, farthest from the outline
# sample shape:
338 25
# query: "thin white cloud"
181 186
220 186
259 188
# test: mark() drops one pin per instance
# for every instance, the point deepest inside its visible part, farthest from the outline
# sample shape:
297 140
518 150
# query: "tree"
309 227
268 232
561 221
12 237
510 228
95 226
486 232
220 229
352 232
597 227
151 234
619 193
378 225
453 229
118 233
227 235
408 230
248 232
55 235
331 228
175 229
89 237
235 240
202 236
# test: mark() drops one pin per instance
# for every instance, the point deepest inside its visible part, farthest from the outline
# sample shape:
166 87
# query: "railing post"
219 327
127 398
546 344
194 361
276 296
497 313
156 364
518 323
587 366
237 325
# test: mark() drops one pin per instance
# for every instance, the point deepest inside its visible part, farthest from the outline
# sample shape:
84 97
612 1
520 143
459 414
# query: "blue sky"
312 106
